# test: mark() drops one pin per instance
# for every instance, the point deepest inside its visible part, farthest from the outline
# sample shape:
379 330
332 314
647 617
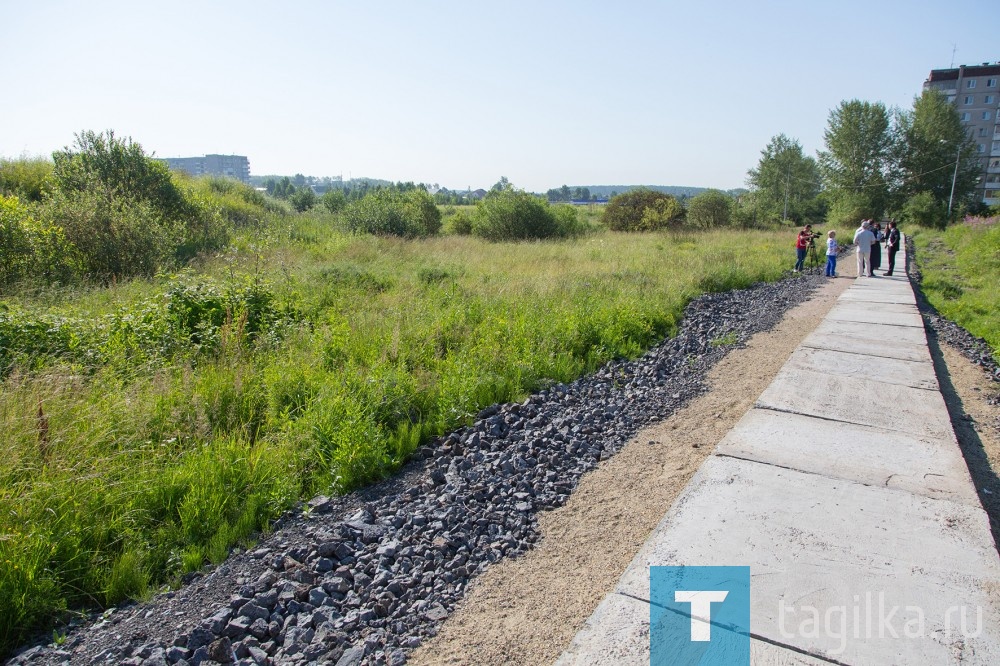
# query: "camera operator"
803 242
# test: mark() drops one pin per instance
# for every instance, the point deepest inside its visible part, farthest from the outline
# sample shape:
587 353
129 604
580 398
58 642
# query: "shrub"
568 223
120 170
389 213
115 237
922 209
642 210
334 200
710 209
32 249
27 178
461 223
509 214
124 211
237 203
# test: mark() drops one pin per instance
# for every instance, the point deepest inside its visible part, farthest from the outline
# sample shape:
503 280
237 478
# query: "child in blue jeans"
831 254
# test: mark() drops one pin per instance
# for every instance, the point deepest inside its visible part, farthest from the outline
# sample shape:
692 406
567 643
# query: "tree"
710 209
785 182
857 162
931 142
501 185
303 199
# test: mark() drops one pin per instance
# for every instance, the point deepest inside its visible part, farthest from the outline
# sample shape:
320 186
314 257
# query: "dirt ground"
967 389
526 610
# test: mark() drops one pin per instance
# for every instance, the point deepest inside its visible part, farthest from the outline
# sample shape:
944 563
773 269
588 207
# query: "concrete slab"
868 331
862 303
860 400
862 342
882 314
918 374
887 296
617 634
872 456
817 584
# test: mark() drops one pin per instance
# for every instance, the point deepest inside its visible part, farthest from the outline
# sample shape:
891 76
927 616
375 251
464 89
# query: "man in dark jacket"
892 245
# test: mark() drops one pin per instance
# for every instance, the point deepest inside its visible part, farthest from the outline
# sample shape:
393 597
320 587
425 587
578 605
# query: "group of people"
868 237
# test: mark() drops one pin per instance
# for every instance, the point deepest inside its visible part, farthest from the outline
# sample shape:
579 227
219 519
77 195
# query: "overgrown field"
150 425
961 275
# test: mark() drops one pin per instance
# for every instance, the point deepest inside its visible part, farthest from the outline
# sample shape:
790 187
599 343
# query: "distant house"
476 195
231 166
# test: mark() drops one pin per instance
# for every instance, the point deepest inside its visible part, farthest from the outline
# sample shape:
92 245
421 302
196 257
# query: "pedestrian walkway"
845 492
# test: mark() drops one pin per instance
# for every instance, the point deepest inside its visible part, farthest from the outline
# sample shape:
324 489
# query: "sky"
462 93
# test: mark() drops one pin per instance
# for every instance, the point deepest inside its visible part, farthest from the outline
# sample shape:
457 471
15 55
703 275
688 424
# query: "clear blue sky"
461 93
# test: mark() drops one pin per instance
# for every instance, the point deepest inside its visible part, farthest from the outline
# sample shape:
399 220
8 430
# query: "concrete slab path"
846 493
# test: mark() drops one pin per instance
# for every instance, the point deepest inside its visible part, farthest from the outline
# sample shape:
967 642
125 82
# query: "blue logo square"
699 616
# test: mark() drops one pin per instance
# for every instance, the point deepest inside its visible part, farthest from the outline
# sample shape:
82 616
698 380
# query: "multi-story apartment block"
233 166
975 92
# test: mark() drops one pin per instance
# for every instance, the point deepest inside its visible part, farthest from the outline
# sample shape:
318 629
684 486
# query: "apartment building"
232 166
975 92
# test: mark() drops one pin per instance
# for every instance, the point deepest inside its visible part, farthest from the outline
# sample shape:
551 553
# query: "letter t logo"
701 610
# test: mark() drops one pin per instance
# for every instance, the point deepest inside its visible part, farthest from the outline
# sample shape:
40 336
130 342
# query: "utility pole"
784 213
954 177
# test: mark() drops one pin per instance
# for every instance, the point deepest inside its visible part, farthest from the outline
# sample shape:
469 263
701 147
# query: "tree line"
876 162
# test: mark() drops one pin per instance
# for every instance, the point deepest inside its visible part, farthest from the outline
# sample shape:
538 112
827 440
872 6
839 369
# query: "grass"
961 275
151 425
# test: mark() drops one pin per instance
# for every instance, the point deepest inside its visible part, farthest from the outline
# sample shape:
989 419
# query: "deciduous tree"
858 159
785 182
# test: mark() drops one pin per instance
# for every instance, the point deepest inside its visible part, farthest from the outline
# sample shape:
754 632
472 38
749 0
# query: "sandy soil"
526 611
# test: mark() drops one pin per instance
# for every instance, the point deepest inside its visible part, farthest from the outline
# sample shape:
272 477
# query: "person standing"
892 246
864 239
802 247
876 259
831 254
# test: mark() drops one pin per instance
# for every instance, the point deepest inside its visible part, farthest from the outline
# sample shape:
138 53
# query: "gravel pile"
364 579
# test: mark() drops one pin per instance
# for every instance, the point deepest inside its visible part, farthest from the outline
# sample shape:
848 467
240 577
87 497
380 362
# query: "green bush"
334 200
238 204
124 211
508 214
116 237
32 249
710 209
390 213
461 223
923 210
28 178
642 210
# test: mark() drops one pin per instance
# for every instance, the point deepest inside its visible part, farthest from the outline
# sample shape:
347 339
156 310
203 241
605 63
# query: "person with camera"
803 241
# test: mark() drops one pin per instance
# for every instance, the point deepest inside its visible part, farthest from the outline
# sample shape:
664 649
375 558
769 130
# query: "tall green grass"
149 426
961 275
